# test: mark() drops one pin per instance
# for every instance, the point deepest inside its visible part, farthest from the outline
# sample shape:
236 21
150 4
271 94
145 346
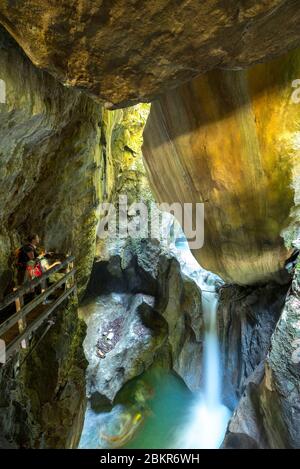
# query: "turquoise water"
156 405
168 408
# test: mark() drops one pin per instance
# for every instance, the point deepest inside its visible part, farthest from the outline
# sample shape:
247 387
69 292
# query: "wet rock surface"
247 318
136 334
47 135
279 394
42 393
55 167
268 413
158 320
61 154
246 428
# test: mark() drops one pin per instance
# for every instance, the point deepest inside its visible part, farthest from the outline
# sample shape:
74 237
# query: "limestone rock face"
230 139
49 156
127 51
279 393
180 304
43 400
247 318
54 171
121 142
155 313
133 345
268 413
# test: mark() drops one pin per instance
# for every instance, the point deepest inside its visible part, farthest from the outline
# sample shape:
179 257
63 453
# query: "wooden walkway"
17 328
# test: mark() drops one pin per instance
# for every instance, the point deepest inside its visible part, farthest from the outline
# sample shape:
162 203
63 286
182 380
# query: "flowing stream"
208 418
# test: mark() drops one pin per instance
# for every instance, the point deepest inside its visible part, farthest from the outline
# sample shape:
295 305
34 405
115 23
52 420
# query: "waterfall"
211 357
211 416
208 419
206 424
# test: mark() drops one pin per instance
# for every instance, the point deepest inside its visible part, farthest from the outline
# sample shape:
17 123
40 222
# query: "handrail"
22 313
13 346
33 283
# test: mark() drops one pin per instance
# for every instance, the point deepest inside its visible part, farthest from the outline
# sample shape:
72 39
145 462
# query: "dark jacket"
22 258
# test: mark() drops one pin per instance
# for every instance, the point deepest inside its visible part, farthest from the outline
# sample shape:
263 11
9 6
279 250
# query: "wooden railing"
67 283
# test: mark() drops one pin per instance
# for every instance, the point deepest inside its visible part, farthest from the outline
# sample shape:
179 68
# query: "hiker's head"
29 251
34 239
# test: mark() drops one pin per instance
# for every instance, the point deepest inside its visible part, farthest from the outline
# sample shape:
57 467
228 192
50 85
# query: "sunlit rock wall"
230 139
125 51
125 175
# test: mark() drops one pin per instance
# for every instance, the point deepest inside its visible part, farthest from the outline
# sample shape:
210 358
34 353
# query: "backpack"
34 269
18 258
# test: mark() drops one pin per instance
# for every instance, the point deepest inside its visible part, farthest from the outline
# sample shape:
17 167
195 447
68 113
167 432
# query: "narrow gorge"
149 157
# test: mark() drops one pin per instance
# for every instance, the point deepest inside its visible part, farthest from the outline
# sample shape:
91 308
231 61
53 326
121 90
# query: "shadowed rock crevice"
247 318
267 360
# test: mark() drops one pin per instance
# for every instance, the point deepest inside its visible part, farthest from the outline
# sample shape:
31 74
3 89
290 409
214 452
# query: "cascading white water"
208 419
207 422
211 416
211 365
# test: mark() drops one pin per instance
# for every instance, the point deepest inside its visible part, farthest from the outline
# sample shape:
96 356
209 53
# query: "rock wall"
247 317
122 138
42 389
128 51
229 139
264 368
53 175
50 155
279 393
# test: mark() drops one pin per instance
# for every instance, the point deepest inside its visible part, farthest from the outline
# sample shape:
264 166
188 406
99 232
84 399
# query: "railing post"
18 319
72 278
19 302
70 282
73 283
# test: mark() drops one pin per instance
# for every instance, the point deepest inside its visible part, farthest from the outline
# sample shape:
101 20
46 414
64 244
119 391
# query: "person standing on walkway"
34 241
26 253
